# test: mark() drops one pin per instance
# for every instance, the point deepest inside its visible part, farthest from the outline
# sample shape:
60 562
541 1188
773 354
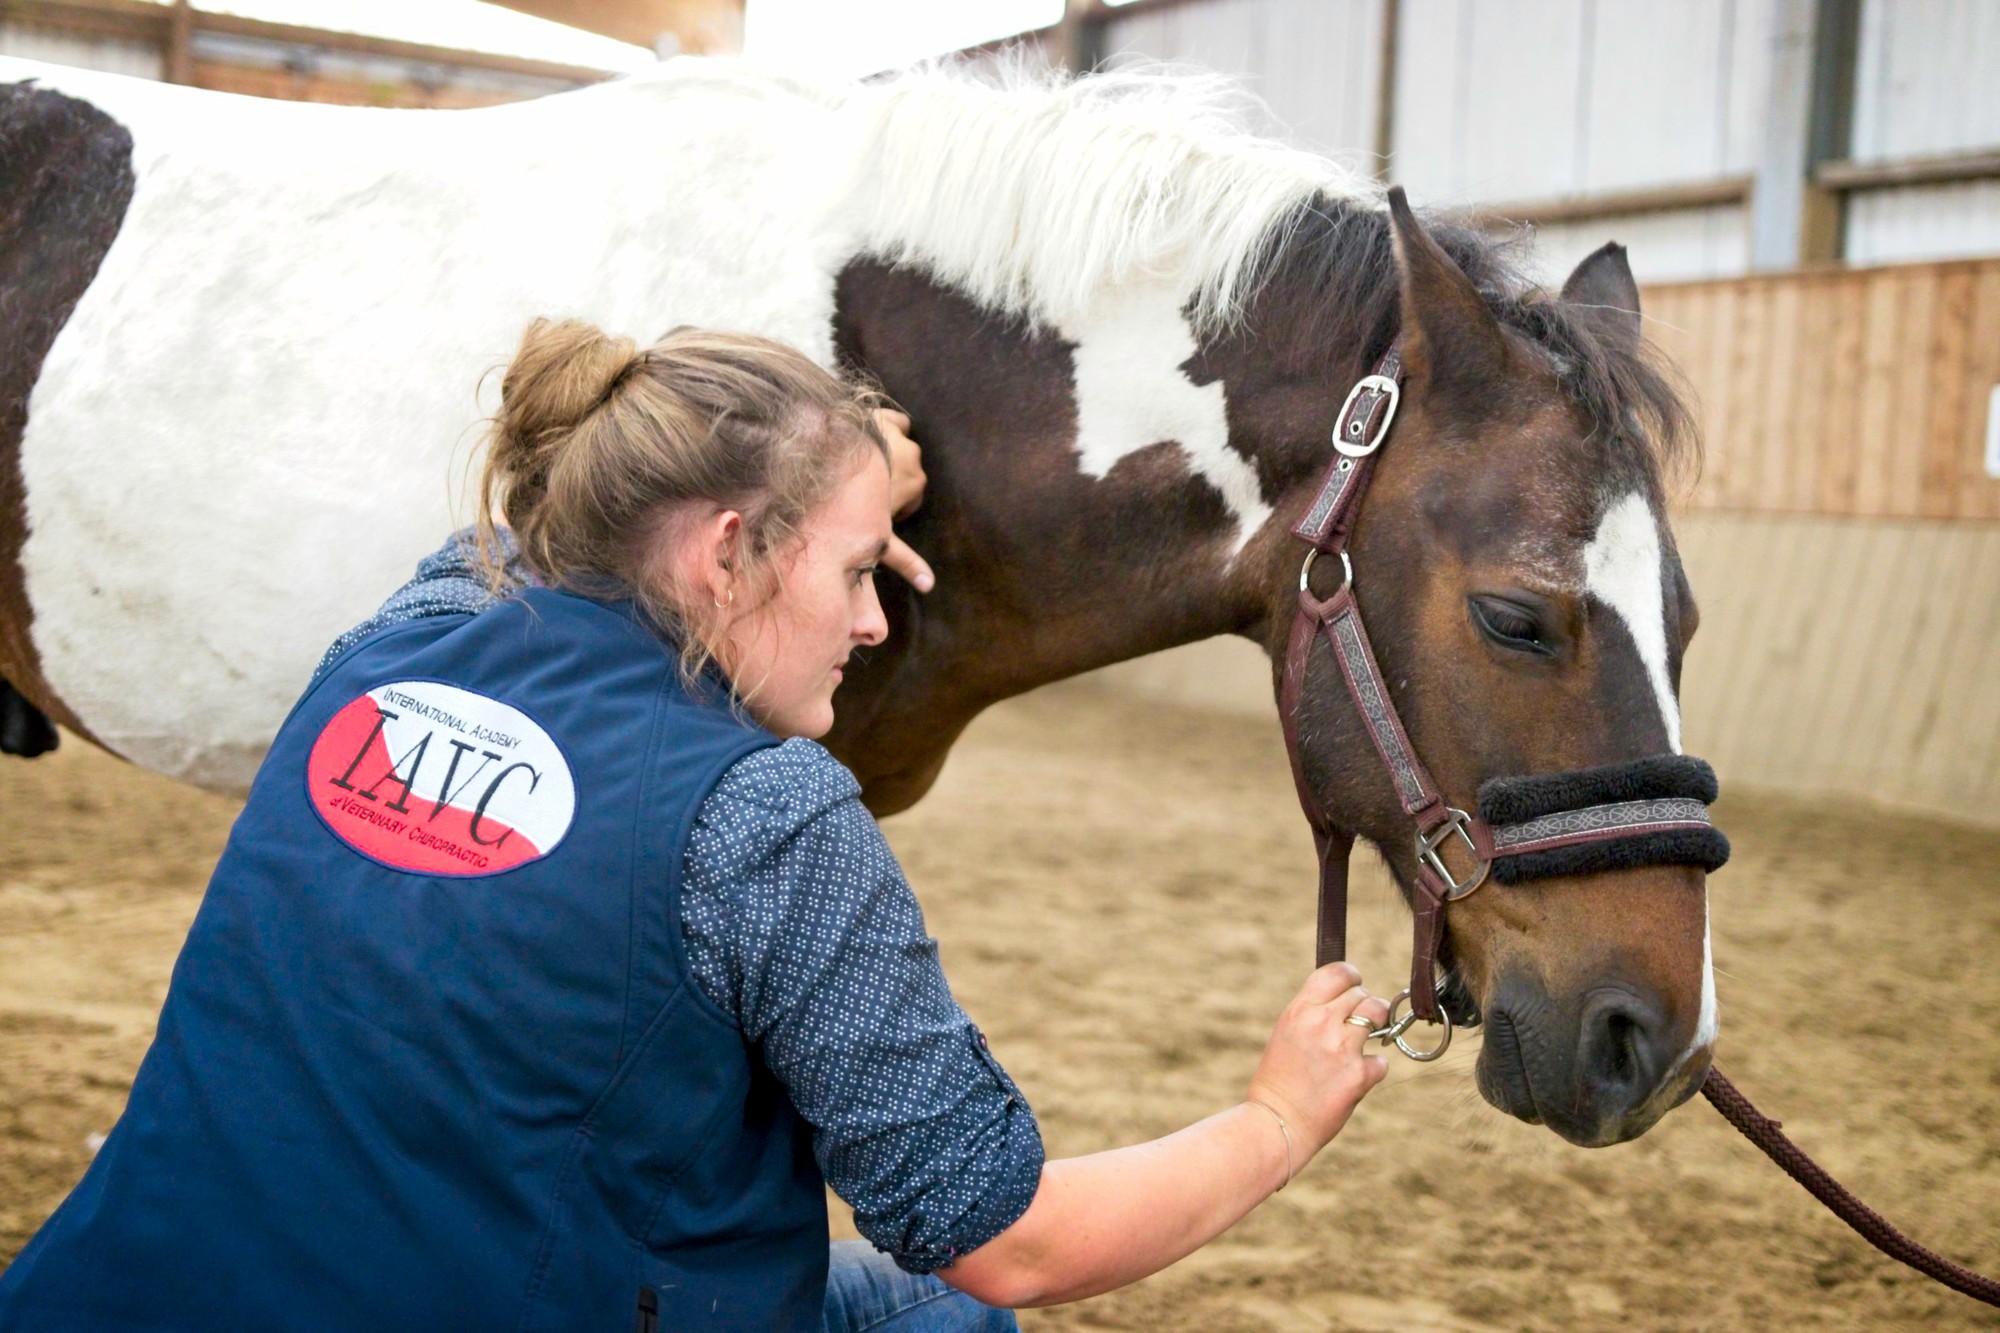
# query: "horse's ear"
1451 341
1603 287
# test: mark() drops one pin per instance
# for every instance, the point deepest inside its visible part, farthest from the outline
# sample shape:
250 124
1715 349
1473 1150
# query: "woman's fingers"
1373 1008
906 462
913 567
1330 983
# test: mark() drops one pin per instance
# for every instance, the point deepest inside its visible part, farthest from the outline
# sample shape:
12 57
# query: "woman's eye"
863 574
1509 625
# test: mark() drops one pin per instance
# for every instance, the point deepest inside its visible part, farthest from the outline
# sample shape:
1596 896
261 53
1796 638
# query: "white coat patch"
1622 569
1131 394
431 778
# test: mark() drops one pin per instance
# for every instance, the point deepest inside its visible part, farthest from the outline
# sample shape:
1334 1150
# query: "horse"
1123 321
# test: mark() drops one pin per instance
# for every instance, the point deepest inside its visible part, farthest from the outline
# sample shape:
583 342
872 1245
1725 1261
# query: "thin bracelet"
1284 1129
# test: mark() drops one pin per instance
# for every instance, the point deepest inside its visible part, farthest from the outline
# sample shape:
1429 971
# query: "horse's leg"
25 730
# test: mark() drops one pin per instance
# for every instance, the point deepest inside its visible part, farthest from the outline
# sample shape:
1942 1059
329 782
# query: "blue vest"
431 1057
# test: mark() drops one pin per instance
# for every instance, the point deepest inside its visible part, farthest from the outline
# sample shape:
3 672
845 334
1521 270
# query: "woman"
552 971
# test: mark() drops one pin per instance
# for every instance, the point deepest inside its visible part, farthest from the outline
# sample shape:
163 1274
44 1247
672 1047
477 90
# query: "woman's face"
786 654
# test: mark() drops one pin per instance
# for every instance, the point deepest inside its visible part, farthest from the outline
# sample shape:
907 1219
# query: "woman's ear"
721 541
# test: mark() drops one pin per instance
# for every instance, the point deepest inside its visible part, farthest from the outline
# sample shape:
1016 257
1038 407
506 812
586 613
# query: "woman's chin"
811 721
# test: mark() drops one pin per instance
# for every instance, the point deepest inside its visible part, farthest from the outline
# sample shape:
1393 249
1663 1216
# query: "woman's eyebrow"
875 554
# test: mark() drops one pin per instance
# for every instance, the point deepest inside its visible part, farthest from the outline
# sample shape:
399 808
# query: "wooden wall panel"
1848 656
1860 392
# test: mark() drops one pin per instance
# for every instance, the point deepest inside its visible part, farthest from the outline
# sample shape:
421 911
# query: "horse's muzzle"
1597 1070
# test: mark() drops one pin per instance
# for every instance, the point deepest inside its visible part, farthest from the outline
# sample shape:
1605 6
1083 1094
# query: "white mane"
1033 193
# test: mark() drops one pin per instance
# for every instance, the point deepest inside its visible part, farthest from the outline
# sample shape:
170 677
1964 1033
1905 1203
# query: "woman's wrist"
1275 1125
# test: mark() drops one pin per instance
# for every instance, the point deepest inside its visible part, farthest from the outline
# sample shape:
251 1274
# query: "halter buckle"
1456 822
1349 424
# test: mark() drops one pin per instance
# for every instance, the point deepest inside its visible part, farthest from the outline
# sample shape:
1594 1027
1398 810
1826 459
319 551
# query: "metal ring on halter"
1394 1029
1346 572
1380 384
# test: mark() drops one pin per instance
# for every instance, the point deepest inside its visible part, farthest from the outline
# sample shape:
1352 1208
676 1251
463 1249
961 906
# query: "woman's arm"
1102 1221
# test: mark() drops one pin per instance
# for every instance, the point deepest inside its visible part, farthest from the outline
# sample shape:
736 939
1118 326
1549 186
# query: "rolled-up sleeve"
799 922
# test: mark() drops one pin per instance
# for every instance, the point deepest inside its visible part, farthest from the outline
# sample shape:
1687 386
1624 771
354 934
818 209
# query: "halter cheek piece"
1651 811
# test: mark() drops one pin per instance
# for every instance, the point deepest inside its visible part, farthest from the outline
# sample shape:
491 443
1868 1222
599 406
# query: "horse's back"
239 428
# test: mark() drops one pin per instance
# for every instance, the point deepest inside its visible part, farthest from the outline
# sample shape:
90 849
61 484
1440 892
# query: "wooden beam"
129 20
1099 12
180 44
1076 41
135 20
351 43
1722 191
1845 176
1385 85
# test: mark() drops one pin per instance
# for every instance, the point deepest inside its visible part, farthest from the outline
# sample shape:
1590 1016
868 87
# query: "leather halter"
1444 833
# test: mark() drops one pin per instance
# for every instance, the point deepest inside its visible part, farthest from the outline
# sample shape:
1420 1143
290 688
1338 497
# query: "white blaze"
1131 394
1622 567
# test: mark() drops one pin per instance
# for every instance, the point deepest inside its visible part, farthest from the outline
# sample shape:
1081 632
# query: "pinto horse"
245 338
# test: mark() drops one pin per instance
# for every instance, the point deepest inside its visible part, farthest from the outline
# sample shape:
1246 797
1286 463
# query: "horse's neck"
1084 495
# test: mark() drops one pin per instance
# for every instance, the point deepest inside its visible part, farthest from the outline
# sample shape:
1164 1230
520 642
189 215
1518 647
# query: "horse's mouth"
1502 1074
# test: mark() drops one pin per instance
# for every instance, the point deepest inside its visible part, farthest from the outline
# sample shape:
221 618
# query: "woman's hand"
906 493
1101 1221
1313 1072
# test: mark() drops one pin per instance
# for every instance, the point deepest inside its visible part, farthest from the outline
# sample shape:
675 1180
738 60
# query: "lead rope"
1870 1225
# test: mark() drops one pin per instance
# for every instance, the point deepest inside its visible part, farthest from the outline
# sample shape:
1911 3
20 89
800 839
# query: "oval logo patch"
427 777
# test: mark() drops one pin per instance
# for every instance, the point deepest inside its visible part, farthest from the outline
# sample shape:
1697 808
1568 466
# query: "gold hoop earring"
727 602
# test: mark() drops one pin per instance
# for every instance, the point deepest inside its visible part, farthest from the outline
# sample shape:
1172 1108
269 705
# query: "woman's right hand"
1313 1072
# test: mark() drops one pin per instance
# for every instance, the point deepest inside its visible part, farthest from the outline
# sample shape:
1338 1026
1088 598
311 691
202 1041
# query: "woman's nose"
871 626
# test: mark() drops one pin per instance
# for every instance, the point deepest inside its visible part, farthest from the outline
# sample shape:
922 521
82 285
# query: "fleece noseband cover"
1648 812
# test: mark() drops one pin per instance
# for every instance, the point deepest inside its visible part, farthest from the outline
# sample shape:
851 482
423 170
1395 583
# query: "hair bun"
562 372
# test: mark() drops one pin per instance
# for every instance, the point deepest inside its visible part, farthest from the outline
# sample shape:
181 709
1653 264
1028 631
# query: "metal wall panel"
1926 85
1924 222
1513 100
1313 61
1927 78
1670 246
59 47
1526 99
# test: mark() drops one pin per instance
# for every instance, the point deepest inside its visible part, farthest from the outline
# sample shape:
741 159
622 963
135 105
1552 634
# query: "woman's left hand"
906 493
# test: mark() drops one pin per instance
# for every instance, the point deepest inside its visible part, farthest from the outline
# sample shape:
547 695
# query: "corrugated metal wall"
1928 83
1315 61
1510 101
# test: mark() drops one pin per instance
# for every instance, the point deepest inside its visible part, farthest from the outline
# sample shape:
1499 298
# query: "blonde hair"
601 445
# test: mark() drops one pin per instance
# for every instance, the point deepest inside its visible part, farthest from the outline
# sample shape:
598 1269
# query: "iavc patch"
427 777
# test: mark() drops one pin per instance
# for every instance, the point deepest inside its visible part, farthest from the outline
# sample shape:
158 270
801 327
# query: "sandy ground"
1124 901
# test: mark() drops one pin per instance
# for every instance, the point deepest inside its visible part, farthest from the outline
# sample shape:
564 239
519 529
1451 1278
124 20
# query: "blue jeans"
866 1292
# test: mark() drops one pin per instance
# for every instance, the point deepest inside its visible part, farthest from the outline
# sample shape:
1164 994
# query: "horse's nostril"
1620 1061
1621 1032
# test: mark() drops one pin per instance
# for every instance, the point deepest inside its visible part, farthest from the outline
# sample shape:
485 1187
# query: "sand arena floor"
1124 901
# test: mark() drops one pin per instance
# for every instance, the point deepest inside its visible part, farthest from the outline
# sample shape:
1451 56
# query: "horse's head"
1527 606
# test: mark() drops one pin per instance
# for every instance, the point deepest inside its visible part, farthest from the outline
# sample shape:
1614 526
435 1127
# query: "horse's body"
1123 328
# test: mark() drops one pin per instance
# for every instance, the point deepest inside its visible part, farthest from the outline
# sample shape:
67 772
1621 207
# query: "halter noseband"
1651 811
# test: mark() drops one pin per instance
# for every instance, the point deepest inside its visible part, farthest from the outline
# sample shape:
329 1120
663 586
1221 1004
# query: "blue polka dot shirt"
799 923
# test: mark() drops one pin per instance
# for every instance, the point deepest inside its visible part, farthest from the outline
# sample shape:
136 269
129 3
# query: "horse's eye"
1509 624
